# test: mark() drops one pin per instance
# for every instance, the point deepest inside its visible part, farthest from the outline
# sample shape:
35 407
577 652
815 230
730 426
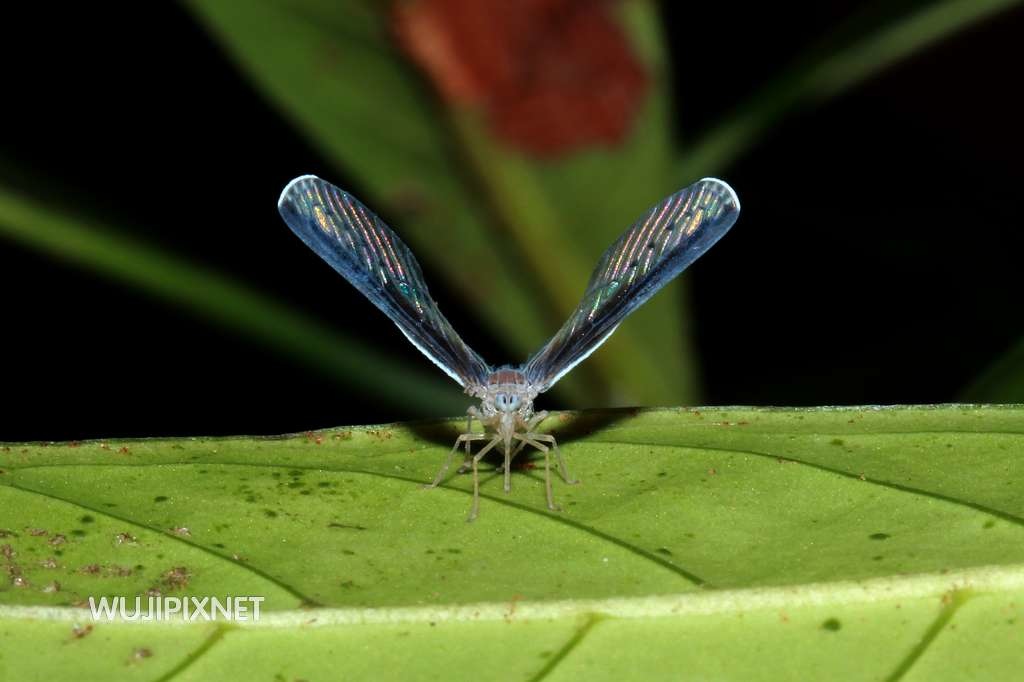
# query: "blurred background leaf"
1003 382
835 65
492 228
220 300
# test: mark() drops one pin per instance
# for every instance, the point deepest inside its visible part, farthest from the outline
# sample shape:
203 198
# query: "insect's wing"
358 244
655 249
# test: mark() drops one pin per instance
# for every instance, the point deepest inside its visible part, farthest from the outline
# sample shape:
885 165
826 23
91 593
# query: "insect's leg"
471 414
526 438
475 509
563 469
508 468
466 438
537 418
519 448
547 481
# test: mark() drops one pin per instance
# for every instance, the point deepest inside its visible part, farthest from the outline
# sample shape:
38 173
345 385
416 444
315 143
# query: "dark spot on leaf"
323 484
86 519
177 577
219 545
453 550
989 524
662 474
837 441
349 552
832 625
270 513
879 536
877 557
664 550
78 533
345 525
160 498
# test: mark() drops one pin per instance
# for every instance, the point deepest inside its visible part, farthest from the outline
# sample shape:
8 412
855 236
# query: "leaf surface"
740 543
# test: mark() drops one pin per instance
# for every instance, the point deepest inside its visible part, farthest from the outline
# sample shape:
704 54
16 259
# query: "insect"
356 243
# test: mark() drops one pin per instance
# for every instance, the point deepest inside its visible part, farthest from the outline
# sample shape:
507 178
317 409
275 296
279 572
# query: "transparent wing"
358 244
655 249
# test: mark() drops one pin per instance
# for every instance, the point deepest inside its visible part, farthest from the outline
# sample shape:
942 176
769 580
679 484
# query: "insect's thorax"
506 391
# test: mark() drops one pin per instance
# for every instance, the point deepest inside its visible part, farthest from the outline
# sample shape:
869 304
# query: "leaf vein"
1006 516
193 656
567 648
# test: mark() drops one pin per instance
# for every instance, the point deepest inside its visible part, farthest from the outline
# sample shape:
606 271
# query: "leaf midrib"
979 580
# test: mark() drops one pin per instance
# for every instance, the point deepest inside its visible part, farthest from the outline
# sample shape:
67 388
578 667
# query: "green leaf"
838 543
223 301
825 74
332 68
498 227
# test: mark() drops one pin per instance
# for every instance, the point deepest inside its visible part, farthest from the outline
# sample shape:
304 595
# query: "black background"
878 260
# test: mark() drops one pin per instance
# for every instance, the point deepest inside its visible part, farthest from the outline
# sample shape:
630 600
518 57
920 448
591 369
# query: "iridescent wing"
655 249
358 244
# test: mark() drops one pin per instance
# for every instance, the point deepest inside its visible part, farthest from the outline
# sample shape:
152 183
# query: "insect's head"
507 402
